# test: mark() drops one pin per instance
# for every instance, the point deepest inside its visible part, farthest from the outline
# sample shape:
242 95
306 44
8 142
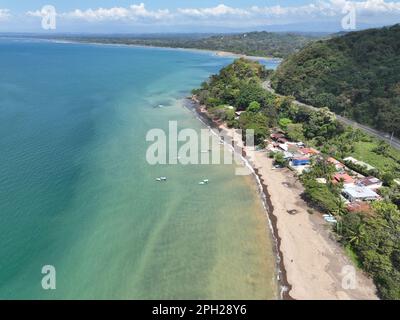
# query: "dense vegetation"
265 44
356 75
373 239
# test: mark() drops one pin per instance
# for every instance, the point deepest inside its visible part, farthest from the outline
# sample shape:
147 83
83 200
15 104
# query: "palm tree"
358 234
341 208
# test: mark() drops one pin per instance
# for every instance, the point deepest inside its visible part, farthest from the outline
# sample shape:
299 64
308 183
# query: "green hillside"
356 75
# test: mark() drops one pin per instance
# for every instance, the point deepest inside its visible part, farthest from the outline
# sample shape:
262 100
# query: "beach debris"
333 220
329 218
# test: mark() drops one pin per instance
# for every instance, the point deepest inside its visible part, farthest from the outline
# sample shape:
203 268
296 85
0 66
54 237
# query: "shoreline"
284 286
217 53
310 263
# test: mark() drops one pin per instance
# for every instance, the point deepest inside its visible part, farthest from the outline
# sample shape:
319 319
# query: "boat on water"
161 179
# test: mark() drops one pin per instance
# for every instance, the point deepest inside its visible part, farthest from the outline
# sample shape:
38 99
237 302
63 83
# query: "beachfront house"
370 183
338 165
357 193
288 155
344 178
301 161
300 164
309 152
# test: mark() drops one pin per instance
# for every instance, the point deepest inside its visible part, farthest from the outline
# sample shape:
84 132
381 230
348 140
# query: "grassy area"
364 151
352 255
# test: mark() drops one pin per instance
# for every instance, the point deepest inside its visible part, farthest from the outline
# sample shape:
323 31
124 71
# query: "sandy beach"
313 264
227 54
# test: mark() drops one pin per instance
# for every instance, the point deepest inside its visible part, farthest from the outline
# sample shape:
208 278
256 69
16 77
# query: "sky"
157 16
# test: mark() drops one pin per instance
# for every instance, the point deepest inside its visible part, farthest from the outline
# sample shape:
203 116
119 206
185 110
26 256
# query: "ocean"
77 193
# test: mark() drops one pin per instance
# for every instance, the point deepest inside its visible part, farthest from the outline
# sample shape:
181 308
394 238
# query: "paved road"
376 133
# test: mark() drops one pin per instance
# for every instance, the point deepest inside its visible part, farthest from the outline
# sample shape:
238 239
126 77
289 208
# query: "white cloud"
222 15
37 13
4 14
220 10
133 12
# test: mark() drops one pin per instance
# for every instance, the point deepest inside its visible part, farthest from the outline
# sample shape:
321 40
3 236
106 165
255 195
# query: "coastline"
311 264
217 53
284 286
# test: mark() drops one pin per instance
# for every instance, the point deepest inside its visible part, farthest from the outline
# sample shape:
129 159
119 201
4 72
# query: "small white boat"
202 183
206 181
161 179
158 179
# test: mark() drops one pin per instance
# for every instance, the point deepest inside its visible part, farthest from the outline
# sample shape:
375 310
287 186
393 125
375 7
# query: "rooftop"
360 192
308 151
369 181
339 177
335 162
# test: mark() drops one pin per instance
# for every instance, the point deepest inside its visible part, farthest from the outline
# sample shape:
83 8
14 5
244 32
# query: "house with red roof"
343 177
338 165
309 151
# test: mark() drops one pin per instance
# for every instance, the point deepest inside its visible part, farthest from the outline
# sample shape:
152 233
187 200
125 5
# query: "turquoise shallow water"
77 193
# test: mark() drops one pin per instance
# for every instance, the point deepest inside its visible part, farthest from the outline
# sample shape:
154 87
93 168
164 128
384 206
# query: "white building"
357 193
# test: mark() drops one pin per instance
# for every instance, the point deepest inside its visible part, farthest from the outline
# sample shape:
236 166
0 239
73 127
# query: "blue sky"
130 16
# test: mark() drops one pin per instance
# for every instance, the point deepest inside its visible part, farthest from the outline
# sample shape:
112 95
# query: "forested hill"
264 44
257 43
356 75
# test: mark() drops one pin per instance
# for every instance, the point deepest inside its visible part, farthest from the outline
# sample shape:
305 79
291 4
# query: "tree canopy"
356 75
